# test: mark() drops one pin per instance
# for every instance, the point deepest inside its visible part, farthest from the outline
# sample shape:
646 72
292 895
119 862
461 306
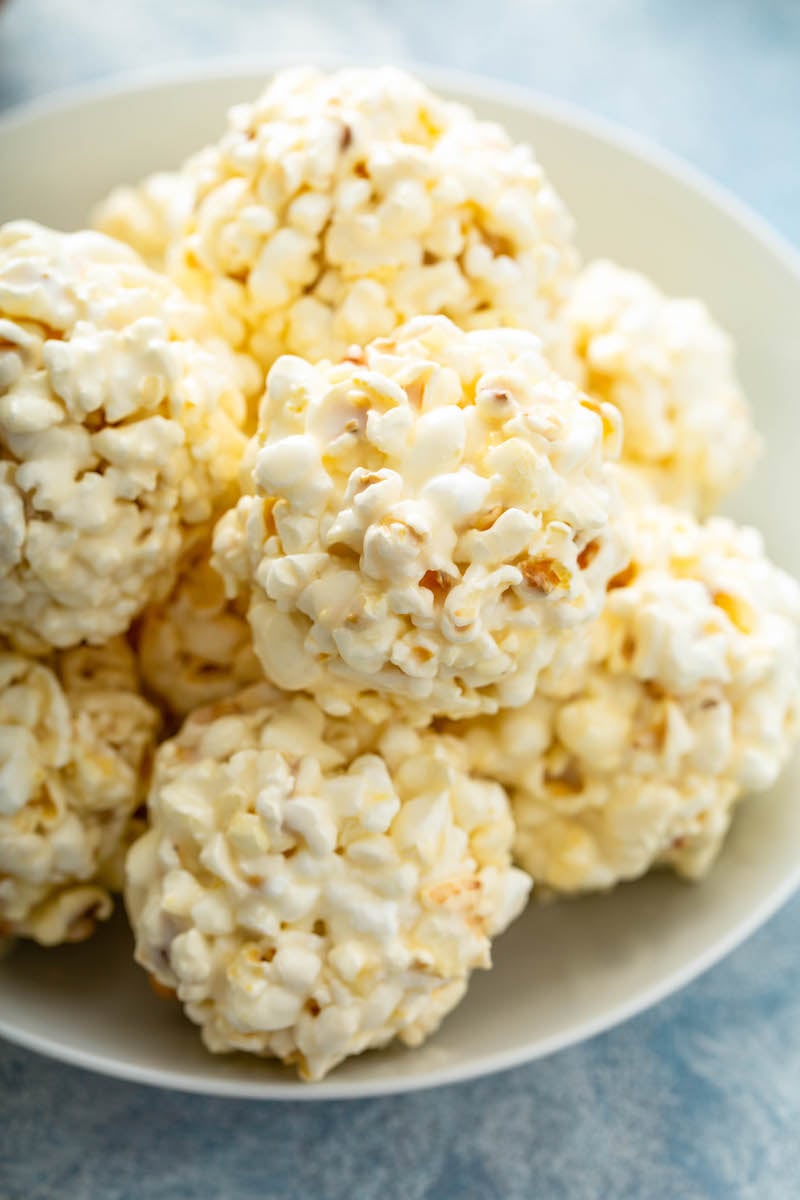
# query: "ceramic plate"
565 971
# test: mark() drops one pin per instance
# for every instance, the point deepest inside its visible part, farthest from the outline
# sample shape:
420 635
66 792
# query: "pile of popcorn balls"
359 571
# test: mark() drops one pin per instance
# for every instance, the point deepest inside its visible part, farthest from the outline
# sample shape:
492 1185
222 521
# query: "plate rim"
666 163
478 1067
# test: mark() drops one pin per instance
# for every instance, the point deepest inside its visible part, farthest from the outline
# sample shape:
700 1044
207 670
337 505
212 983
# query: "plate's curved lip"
666 163
477 1067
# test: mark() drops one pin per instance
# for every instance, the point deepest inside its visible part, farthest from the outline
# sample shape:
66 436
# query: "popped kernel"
195 647
147 216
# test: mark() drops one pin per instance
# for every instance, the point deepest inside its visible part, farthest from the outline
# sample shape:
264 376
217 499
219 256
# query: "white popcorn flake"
148 216
336 207
121 428
687 700
75 742
308 922
668 368
427 521
194 647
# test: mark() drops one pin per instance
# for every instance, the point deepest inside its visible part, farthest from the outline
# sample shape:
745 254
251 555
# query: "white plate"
563 972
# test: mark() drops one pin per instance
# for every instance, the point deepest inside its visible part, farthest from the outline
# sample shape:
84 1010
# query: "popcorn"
312 887
195 647
668 368
75 740
492 637
687 701
338 206
428 519
149 216
118 428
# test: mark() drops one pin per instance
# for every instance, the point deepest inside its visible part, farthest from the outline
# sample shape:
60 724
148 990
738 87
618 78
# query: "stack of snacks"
405 517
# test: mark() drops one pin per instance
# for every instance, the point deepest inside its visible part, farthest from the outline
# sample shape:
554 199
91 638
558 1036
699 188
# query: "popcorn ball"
117 429
338 206
312 887
668 368
688 700
195 646
429 516
75 742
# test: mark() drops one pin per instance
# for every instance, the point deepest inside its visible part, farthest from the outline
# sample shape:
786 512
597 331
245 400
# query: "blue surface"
698 1099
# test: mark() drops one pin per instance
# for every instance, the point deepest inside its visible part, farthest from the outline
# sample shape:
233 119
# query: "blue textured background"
698 1099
